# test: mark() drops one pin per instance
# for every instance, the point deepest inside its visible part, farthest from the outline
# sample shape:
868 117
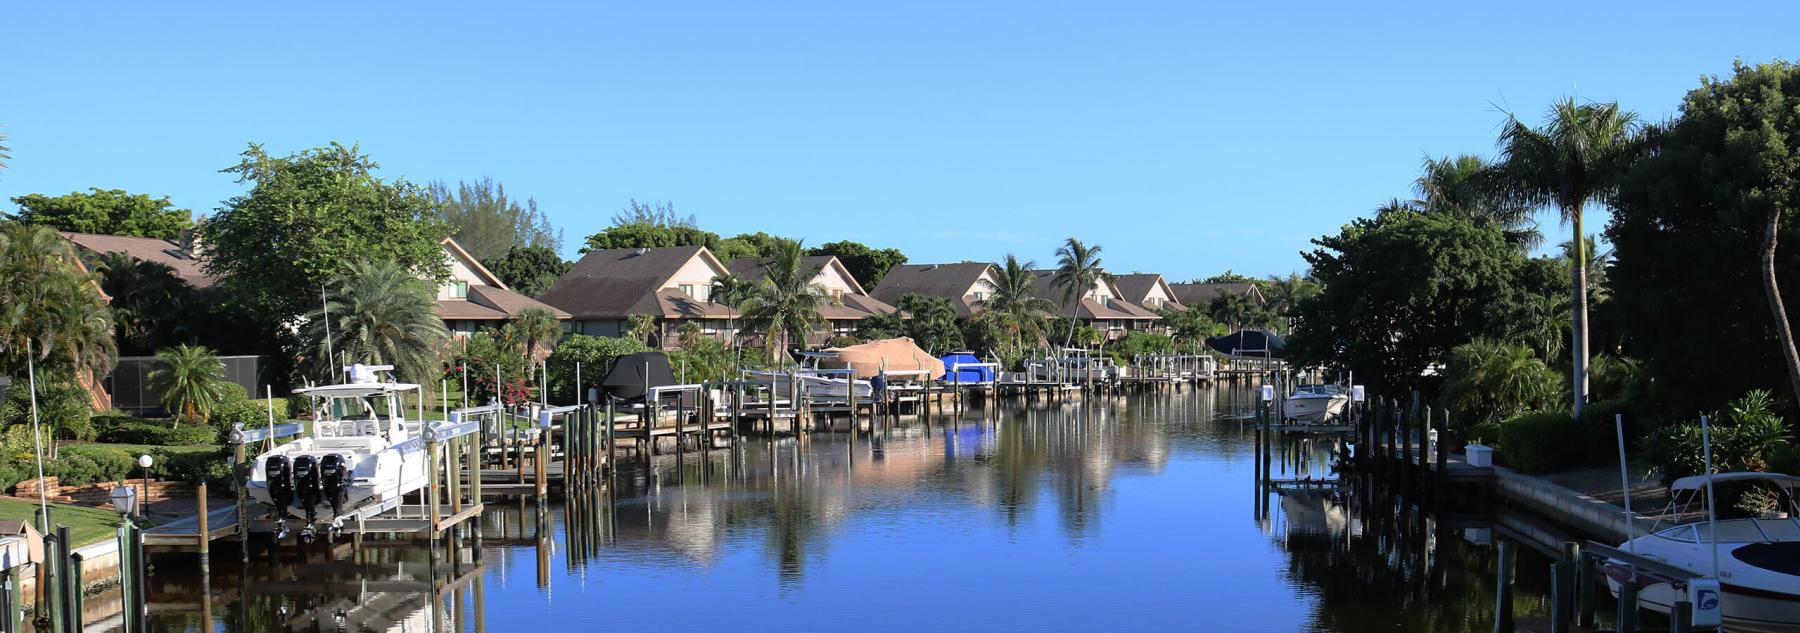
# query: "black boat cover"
1248 343
631 375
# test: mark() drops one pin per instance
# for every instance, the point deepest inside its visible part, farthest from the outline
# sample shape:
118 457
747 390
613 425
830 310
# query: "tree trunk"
1783 330
1579 331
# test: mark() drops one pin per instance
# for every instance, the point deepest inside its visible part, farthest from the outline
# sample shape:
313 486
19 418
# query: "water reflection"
1120 512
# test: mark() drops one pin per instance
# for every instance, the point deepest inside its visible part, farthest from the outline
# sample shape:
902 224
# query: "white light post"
144 462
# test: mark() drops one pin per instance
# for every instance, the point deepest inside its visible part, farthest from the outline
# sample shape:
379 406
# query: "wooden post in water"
1681 617
611 419
205 531
1628 604
1503 590
1585 579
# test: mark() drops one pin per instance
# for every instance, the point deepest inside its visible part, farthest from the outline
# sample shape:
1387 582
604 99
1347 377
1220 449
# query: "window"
459 290
698 292
1153 303
979 296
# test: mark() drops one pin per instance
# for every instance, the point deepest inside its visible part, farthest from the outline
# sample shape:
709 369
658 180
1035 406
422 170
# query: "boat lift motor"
306 486
281 490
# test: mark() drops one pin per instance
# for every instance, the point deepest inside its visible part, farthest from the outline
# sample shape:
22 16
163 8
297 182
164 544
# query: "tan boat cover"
894 354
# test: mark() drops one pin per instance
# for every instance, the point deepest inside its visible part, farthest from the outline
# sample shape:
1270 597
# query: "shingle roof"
1089 309
1197 294
1136 287
752 270
854 306
150 249
488 303
615 283
950 281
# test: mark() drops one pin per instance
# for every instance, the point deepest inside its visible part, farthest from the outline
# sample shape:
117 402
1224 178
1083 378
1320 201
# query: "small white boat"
1317 404
1757 559
361 452
820 383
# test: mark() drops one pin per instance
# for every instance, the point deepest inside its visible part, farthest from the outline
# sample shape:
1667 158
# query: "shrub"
1747 436
213 467
1599 434
595 353
136 431
1487 380
83 464
250 413
63 407
1541 441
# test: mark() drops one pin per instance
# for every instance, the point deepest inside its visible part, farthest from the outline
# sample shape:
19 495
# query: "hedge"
82 464
128 430
1541 441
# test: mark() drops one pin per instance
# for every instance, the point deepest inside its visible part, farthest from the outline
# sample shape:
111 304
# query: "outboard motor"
281 484
334 482
306 487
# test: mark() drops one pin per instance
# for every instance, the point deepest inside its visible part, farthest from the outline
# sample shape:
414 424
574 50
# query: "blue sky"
1184 137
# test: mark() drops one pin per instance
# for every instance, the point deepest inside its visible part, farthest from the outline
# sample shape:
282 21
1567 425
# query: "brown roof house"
181 256
853 303
1102 307
1201 295
473 298
674 284
966 284
1148 290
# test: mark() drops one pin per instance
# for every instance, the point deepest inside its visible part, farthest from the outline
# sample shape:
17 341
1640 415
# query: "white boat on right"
1755 559
1317 404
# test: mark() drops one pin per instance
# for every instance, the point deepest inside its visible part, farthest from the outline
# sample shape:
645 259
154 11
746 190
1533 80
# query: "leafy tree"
528 270
51 308
758 246
646 226
1137 343
1077 270
733 292
595 355
787 301
642 326
486 352
64 411
308 213
1695 232
536 331
378 313
1401 289
1229 277
151 306
1238 311
867 265
1577 157
188 381
1190 327
1014 305
1746 436
883 326
1469 186
105 211
1491 381
931 323
488 223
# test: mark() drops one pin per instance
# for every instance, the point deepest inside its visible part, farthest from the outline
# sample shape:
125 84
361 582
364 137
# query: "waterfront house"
853 304
1102 307
674 284
1148 290
966 284
473 298
180 256
1201 295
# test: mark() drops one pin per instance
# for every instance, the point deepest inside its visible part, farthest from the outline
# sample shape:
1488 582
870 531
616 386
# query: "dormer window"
459 289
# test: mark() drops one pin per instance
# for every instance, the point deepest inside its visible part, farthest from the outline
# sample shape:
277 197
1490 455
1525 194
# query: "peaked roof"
150 249
1136 287
950 281
1198 294
857 305
1090 309
618 282
456 250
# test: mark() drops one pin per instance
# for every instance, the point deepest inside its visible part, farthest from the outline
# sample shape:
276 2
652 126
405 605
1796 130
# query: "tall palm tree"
1577 157
5 152
1015 304
189 382
51 308
1467 186
383 315
732 291
787 301
1077 270
535 329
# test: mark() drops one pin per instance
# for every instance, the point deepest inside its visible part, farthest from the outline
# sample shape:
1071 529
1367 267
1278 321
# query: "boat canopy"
965 374
633 375
893 355
1696 482
1249 343
362 390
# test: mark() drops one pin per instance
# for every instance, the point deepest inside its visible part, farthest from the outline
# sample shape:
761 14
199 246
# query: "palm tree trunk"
1579 318
1783 330
1069 341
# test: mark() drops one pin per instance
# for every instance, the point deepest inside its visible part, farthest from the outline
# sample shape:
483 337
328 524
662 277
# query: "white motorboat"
361 452
1317 404
1755 560
825 384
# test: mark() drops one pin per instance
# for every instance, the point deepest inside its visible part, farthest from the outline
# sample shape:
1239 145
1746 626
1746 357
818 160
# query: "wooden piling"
1503 590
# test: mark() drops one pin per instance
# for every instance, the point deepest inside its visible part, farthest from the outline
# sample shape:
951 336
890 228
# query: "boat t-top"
361 454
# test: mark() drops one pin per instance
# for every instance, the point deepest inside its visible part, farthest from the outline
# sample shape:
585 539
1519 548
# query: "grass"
86 525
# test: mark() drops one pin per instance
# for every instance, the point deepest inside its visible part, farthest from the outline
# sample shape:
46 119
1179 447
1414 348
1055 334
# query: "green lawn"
86 525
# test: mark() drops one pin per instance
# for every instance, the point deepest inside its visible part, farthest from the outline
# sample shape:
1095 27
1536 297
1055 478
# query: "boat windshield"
1319 390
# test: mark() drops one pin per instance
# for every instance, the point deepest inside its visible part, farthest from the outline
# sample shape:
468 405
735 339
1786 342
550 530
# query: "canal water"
1138 512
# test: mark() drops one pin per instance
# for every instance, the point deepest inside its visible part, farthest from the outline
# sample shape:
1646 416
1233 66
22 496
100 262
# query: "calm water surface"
1129 513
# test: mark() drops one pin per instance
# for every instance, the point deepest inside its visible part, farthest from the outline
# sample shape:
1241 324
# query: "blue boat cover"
965 374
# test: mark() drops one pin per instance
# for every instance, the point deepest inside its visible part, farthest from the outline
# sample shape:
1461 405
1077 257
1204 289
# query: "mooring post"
205 528
240 492
69 587
610 428
1628 604
1503 590
1681 617
431 490
1443 459
1585 580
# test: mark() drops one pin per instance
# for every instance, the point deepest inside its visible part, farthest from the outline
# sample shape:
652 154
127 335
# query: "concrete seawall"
1582 512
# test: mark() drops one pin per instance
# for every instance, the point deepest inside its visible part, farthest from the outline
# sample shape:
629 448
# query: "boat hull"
1744 609
1315 409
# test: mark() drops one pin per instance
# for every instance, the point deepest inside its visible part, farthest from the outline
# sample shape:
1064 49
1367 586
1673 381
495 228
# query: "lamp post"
144 462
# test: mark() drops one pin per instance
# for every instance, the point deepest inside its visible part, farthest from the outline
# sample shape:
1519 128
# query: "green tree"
305 216
1077 270
867 265
757 246
105 211
931 323
1284 293
486 352
733 292
787 302
1229 277
1491 381
1695 232
51 308
1190 327
488 224
1576 158
1239 311
536 331
528 270
151 306
883 325
595 354
642 326
651 226
379 314
189 382
1469 186
1014 304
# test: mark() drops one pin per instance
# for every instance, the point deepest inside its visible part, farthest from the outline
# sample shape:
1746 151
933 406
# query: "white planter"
1479 456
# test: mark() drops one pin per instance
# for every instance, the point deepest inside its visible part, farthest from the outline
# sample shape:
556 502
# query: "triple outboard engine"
306 486
334 482
281 484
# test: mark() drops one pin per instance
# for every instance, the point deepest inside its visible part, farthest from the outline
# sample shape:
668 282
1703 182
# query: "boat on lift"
1317 404
1756 560
361 454
829 384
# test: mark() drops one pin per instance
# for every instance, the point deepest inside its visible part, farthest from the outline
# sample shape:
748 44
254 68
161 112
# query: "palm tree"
144 296
1014 304
5 152
1541 326
1237 310
1285 294
1077 270
787 301
379 313
189 381
1466 186
1596 266
535 329
51 308
1576 158
732 291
